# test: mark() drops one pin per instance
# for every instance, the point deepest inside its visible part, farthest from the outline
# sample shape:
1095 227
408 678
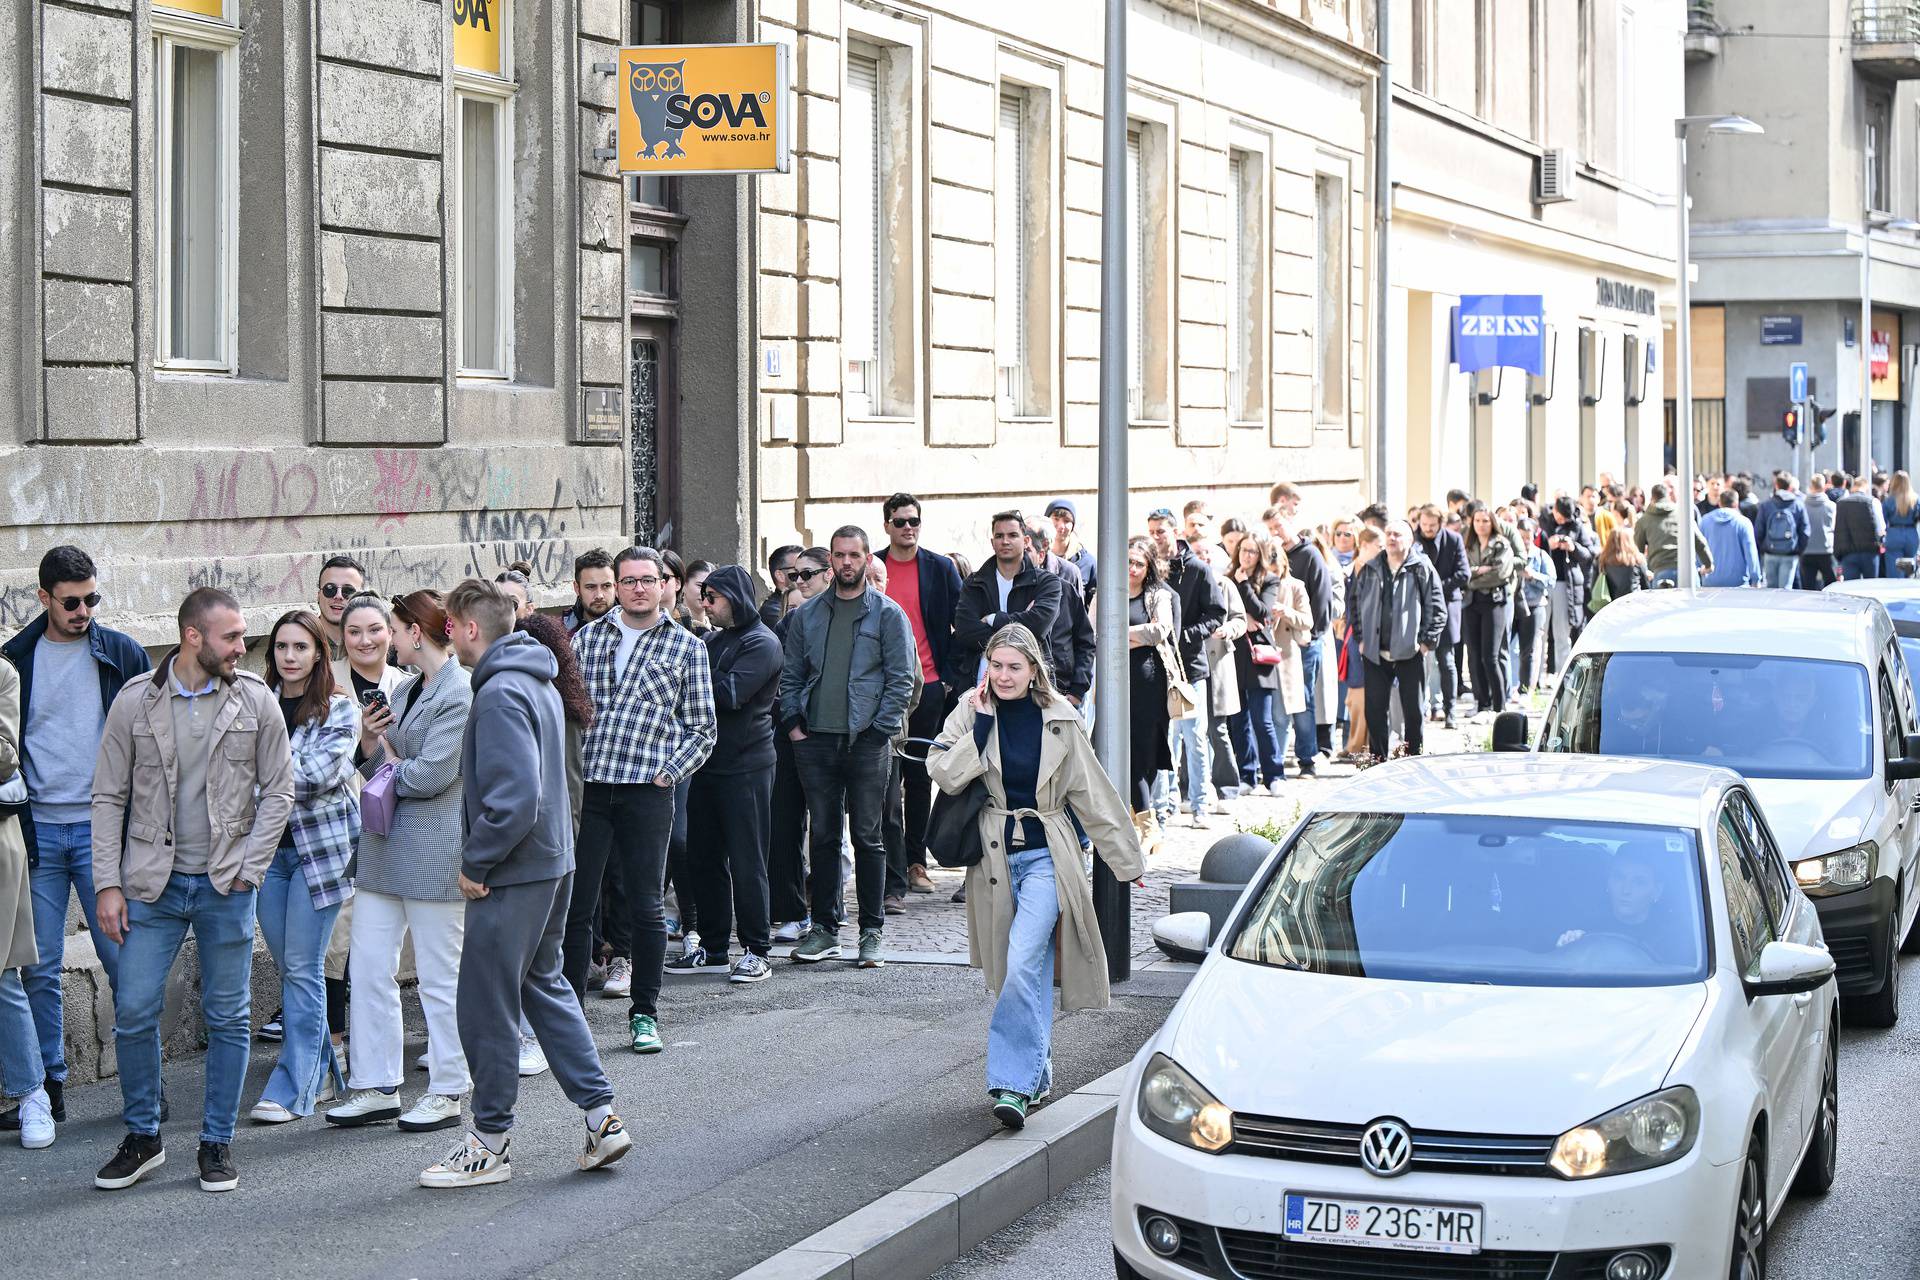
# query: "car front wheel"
1822 1161
1882 1008
1749 1253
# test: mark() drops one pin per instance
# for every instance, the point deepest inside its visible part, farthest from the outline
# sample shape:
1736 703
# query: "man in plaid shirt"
653 725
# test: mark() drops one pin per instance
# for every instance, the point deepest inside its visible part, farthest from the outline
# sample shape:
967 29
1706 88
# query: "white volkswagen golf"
1500 1016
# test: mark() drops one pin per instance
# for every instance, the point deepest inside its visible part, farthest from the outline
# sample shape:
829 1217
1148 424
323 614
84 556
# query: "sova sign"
703 109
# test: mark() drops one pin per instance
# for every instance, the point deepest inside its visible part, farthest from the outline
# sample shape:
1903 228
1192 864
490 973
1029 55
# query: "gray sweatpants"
510 963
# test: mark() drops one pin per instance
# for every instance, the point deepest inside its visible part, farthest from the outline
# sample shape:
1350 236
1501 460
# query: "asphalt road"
1866 1228
775 1110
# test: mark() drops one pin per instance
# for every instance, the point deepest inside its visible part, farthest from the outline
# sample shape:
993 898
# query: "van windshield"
1765 717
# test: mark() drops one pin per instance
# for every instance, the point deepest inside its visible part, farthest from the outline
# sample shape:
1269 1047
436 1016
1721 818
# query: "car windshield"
1765 717
1902 608
1520 902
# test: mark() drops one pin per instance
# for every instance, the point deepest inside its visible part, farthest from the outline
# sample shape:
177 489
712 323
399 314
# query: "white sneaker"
36 1120
605 1146
789 930
692 942
265 1112
533 1059
619 979
366 1106
469 1164
422 1062
433 1111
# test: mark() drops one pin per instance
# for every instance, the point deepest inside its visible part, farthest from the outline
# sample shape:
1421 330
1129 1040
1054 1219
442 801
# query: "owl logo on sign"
649 85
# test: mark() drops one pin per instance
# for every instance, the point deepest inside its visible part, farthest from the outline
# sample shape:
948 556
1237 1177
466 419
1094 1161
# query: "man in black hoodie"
729 803
516 873
1005 589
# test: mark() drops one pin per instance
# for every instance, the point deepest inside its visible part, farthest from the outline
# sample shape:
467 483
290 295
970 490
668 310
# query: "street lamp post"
1683 355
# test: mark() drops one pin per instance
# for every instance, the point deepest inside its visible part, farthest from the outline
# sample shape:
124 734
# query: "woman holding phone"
308 882
1025 741
408 880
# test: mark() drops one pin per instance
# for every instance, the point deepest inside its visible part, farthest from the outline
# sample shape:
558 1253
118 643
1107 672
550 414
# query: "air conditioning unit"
1553 180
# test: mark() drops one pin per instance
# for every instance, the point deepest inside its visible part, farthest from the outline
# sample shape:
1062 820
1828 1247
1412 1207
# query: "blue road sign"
1797 381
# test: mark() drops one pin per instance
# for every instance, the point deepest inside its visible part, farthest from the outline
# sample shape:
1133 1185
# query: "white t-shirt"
629 641
1006 588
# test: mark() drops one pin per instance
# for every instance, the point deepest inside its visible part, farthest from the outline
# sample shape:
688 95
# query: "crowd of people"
545 804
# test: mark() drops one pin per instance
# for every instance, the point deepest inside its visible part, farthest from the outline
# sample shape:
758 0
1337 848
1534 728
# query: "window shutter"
1136 274
1010 263
1237 286
860 237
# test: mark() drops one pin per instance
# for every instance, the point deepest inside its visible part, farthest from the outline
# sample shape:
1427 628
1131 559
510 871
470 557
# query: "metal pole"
1112 899
1866 321
1683 374
1383 280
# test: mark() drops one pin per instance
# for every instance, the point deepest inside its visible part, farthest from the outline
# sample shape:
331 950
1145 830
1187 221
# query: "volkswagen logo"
1386 1148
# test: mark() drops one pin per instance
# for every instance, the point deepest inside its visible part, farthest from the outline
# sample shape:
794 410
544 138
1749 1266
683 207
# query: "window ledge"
894 419
472 377
1027 419
1250 423
1150 422
191 371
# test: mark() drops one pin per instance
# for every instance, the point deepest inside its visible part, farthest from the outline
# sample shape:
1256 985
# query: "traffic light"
1817 428
1790 427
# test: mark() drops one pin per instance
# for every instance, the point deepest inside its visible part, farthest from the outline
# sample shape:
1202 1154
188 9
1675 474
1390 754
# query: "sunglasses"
805 575
70 603
334 590
905 522
709 594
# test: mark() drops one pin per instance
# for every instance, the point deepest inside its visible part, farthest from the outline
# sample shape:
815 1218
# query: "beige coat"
1223 664
1069 774
16 898
1291 626
249 785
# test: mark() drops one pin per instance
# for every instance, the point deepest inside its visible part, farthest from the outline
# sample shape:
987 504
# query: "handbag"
377 799
953 825
1265 655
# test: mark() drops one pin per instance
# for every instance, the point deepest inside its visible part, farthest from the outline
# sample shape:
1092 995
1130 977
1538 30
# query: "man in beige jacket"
192 788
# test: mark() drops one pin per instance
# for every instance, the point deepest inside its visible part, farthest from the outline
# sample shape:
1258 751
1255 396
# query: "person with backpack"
1735 560
1784 531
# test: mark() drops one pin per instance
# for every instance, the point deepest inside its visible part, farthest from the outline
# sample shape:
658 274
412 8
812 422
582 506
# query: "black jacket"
1308 565
1854 532
1073 639
1202 608
1575 566
1033 601
1446 552
745 661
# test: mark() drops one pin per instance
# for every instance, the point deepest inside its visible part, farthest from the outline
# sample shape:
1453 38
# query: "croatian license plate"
1382 1224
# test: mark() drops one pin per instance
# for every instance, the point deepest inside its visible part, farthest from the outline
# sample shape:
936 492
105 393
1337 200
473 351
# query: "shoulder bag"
953 825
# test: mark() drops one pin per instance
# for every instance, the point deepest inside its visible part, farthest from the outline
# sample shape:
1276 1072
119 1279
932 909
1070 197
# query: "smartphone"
374 700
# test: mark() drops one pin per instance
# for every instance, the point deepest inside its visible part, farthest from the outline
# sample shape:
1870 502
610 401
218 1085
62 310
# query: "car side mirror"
1510 731
1185 936
1791 968
1908 766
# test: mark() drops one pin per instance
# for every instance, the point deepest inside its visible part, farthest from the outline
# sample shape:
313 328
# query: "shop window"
197 180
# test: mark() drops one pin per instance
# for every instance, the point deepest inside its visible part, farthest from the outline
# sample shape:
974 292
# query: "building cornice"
1447 214
1259 23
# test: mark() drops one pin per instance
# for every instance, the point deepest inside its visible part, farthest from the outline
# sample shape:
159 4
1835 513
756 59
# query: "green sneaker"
817 945
1009 1108
870 949
646 1034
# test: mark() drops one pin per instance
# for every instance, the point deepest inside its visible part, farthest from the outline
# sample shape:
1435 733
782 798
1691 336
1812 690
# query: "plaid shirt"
654 719
326 803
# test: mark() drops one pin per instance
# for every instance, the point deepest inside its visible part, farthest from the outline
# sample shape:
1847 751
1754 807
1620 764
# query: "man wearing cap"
1065 519
926 587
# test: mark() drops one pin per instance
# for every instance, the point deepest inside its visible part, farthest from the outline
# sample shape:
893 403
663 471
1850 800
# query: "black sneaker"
137 1155
272 1029
216 1167
687 961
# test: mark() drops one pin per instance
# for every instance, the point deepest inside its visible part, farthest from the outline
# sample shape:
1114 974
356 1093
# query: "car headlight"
1655 1130
1837 872
1175 1105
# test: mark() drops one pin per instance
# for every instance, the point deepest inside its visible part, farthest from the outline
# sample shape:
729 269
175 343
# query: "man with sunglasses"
78 668
926 587
780 569
341 579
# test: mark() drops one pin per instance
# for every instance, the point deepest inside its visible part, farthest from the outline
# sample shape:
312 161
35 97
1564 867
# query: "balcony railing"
1886 22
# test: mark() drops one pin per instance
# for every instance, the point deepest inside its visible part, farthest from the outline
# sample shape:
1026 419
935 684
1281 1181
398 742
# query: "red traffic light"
1791 420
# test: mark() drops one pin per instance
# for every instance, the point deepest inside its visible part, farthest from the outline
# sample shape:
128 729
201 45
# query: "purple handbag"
377 798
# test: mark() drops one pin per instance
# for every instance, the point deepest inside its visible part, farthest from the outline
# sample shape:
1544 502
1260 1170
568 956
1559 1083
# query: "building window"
877 231
649 22
650 269
485 239
1246 287
197 198
1624 149
1583 86
1023 249
1331 282
1880 141
1148 282
1420 34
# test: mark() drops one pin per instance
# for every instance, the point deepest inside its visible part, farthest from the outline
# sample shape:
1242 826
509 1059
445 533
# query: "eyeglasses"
333 590
631 583
805 575
905 522
70 603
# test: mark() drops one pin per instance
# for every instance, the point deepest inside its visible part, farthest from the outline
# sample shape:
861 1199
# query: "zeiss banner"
1493 329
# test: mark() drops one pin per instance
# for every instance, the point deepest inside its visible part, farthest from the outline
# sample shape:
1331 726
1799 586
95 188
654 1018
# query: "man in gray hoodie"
516 872
1817 568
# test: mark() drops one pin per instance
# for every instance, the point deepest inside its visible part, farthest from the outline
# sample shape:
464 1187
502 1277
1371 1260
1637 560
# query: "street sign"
1797 381
1780 331
704 108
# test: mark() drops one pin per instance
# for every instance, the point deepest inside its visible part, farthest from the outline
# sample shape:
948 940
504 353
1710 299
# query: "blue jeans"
297 934
1190 739
1256 739
223 927
1306 734
1860 564
1020 1036
20 1068
1781 571
66 862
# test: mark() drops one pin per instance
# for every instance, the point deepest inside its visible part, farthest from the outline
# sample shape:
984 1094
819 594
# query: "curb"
911 1233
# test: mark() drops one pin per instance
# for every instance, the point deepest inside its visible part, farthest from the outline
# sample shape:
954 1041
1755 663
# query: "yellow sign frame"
744 89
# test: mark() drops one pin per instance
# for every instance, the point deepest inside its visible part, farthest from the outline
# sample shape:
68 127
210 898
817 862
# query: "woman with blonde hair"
1024 741
1903 514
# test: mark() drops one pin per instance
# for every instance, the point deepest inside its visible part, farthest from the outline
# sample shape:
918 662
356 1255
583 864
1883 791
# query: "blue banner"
1494 329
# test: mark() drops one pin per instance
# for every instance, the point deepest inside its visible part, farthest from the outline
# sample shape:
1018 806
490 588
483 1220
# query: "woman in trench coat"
1025 741
22 1076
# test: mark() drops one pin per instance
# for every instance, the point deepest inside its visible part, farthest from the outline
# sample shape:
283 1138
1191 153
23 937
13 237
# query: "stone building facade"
287 280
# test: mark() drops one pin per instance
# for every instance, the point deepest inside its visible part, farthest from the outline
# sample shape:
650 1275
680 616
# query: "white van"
1807 695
